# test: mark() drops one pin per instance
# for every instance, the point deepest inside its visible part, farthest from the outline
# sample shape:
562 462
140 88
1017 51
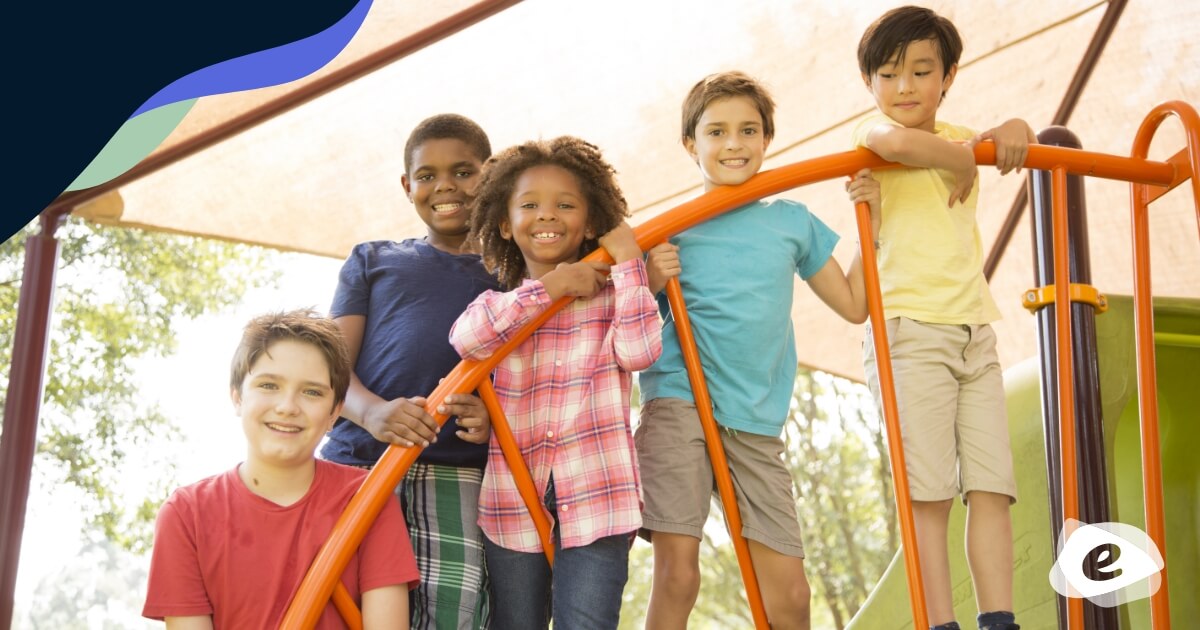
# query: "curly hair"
597 182
723 85
447 127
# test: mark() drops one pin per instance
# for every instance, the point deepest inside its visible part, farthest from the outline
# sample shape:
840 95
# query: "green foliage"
839 466
118 295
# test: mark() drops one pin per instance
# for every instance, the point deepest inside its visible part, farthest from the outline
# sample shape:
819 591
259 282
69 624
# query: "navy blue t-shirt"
410 293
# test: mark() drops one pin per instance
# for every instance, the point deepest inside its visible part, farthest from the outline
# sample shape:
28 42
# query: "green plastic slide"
1177 329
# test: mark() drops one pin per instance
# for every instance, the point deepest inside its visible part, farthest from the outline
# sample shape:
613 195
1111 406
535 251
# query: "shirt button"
558 362
565 508
549 434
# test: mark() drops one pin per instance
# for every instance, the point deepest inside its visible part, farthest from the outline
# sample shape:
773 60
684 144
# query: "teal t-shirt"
737 282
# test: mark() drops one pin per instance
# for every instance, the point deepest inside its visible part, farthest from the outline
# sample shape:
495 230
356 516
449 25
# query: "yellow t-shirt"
930 255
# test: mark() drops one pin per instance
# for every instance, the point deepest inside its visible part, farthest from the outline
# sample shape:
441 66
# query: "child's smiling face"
547 218
441 187
909 87
729 143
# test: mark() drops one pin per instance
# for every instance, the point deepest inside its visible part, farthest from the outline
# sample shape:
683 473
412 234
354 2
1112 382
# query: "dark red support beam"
24 399
1108 24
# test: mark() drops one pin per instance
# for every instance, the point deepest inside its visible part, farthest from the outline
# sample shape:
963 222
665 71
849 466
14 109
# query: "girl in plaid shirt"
539 208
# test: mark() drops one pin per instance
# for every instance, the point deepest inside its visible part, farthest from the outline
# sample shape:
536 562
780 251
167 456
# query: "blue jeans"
582 592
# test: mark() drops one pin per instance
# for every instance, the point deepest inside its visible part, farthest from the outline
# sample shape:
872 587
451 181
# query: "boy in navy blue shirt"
395 303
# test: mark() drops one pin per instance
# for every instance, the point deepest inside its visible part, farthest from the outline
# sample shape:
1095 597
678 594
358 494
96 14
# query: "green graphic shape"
132 142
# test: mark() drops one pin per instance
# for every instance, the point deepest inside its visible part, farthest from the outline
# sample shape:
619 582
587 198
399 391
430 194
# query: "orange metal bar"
1160 614
891 418
516 464
1066 390
716 454
348 532
345 605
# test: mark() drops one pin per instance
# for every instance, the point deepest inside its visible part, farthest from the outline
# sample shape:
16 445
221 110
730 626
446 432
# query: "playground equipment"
1149 181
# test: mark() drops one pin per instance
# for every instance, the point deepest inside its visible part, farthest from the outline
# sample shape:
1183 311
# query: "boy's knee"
679 580
793 610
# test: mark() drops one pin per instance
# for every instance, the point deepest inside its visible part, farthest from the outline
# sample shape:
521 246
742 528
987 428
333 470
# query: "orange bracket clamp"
1035 299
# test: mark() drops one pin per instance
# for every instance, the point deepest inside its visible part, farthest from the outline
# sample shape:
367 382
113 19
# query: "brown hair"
303 325
489 210
724 85
895 30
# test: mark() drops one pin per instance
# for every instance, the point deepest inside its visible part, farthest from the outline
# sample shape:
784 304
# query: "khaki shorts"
950 395
677 478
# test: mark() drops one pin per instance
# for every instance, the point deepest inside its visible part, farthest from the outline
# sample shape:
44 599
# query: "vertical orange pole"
1066 391
1143 322
891 418
516 465
716 454
1143 314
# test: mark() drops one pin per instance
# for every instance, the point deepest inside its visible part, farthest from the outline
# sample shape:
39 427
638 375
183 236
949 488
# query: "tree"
119 294
842 473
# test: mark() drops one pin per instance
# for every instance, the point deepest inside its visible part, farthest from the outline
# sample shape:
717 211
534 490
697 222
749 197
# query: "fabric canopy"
323 173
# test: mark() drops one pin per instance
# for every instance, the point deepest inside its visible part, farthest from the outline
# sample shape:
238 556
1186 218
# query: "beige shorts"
677 478
950 395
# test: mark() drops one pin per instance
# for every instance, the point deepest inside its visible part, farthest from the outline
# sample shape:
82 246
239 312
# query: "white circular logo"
1123 552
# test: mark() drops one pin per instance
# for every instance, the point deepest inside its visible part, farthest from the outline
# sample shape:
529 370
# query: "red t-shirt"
221 550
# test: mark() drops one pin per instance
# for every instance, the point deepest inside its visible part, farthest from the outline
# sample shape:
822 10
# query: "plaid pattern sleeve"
565 391
493 317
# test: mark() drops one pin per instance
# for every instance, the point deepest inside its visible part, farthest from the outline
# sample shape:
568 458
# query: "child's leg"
676 581
926 361
767 501
990 550
520 588
784 588
988 483
677 486
932 519
588 582
440 510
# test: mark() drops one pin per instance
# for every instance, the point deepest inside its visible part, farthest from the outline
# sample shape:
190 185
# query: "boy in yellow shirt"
949 385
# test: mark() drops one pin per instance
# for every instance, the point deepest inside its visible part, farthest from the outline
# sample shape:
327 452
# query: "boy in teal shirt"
738 289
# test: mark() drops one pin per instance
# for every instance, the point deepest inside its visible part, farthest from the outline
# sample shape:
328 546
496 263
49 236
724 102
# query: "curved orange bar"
716 454
317 586
516 464
346 606
1160 613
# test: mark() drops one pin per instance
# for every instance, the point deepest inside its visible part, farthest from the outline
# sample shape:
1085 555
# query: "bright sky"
192 389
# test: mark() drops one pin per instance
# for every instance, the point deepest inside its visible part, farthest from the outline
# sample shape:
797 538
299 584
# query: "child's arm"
386 608
847 294
1012 139
921 149
636 329
189 623
402 421
662 264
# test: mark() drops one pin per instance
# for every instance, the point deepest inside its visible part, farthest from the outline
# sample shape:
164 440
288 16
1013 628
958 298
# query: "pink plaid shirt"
565 392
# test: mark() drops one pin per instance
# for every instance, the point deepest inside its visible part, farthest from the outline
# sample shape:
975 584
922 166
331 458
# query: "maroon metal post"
24 398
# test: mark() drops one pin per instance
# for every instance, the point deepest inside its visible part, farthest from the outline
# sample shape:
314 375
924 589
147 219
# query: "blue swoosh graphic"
264 68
